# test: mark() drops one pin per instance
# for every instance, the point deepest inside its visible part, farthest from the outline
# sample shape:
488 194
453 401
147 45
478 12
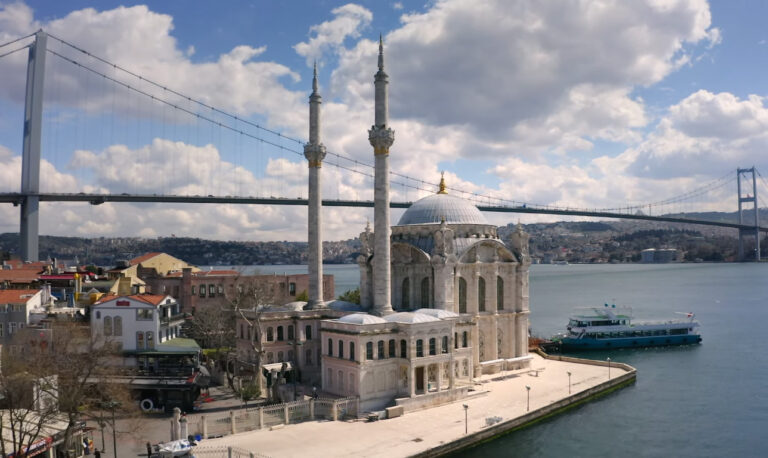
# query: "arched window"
403 349
432 346
481 294
290 332
464 340
392 353
462 295
455 340
406 298
107 326
419 348
290 355
330 347
425 292
279 357
118 324
270 357
341 348
380 348
444 348
351 351
279 333
270 334
308 357
330 377
369 350
140 340
341 381
499 293
308 332
150 340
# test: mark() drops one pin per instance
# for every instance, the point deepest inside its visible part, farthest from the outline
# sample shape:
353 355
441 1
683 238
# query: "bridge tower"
753 199
30 158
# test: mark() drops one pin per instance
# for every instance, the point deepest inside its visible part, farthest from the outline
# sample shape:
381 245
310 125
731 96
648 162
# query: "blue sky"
579 104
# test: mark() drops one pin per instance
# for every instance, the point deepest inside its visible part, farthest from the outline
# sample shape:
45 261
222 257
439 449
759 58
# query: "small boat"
595 328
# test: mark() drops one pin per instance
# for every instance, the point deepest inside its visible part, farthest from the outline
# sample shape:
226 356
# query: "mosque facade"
443 298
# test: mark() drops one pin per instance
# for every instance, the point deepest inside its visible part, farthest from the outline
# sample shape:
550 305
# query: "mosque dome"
435 208
410 318
442 206
361 318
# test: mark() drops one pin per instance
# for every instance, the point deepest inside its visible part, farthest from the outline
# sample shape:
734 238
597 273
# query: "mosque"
443 298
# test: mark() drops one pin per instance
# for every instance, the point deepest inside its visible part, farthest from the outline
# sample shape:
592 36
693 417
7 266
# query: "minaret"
314 151
381 138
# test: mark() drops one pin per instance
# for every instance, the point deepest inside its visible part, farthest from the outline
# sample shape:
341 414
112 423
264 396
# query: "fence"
280 414
225 452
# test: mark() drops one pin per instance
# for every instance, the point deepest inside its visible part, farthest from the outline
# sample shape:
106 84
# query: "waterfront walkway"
501 395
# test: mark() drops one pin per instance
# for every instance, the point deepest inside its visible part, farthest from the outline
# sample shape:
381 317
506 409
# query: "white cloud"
349 20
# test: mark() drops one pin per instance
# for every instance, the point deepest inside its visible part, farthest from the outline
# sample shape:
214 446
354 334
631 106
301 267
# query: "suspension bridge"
77 102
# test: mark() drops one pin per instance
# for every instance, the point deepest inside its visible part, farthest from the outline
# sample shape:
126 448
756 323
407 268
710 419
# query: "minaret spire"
381 138
314 151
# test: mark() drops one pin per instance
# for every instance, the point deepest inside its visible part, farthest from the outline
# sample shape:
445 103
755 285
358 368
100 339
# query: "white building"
136 323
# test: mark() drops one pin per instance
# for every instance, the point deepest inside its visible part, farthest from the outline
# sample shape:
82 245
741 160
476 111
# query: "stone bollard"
334 411
286 416
175 428
232 425
261 417
183 430
311 409
204 426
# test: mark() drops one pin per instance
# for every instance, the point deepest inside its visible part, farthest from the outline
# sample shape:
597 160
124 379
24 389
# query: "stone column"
412 380
314 151
381 138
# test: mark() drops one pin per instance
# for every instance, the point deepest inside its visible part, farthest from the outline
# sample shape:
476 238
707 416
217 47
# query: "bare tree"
212 327
61 379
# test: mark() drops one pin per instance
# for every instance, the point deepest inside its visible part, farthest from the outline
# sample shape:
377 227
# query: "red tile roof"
152 299
18 276
143 258
16 296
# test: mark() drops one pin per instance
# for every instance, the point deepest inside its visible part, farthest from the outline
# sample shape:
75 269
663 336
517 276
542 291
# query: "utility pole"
29 229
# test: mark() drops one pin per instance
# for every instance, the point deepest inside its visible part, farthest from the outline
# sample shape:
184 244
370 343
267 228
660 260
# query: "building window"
118 326
419 348
308 357
499 293
220 290
380 348
279 333
425 292
150 340
290 332
406 293
11 328
98 315
279 357
308 332
444 348
369 350
194 290
432 346
462 295
481 294
330 377
139 340
464 340
351 351
341 381
330 347
341 348
211 290
242 331
107 326
2 329
270 334
270 358
144 314
292 288
202 290
391 353
290 355
455 340
403 349
352 382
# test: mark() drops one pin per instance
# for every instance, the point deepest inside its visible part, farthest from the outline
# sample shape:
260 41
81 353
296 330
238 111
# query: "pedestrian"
97 453
314 392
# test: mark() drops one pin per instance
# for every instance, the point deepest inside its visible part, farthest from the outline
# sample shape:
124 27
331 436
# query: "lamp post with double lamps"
609 368
466 418
569 381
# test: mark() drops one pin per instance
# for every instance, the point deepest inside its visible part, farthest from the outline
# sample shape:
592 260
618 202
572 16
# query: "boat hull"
586 343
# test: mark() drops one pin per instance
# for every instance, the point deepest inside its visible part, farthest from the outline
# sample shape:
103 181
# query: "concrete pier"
439 430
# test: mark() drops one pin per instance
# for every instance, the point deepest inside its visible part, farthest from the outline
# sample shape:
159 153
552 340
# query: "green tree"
303 296
352 296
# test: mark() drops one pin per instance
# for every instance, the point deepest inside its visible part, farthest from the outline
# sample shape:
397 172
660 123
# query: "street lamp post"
528 399
569 381
609 368
114 427
466 419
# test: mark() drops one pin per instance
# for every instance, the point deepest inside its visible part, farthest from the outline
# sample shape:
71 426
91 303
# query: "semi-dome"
438 313
361 318
435 208
410 318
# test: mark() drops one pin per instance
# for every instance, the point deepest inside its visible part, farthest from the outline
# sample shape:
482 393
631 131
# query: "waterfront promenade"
501 395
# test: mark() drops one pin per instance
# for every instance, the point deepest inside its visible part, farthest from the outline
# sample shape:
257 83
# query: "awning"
277 366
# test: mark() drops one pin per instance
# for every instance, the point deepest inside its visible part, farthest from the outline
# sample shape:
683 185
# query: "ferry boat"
594 328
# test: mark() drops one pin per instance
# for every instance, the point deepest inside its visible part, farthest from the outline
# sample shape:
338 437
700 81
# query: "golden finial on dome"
442 184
